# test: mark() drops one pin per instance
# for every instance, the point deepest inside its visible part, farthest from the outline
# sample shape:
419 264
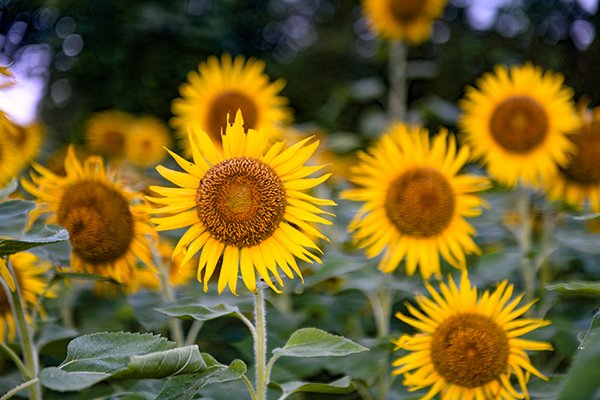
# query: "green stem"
524 238
541 262
15 358
260 343
27 345
168 295
193 332
397 76
381 303
17 389
250 388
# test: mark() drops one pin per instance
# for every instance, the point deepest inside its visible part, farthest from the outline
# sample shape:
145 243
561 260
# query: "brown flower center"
584 166
241 201
228 103
98 220
21 137
519 124
469 350
420 202
406 10
113 143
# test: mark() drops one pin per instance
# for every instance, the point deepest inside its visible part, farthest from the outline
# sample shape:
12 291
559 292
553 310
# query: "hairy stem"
398 82
17 389
260 343
524 238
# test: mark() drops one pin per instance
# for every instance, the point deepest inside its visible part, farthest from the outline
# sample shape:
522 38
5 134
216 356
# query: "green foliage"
582 381
199 312
312 342
340 386
100 356
576 288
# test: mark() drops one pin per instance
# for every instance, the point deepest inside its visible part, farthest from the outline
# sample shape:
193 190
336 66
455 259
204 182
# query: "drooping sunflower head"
107 224
408 20
578 181
415 201
245 205
468 346
517 121
29 271
145 141
220 88
106 133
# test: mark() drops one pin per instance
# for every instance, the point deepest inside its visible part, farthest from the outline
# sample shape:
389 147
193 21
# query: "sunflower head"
107 224
468 346
107 131
27 140
415 201
244 205
408 20
10 163
145 142
516 121
220 88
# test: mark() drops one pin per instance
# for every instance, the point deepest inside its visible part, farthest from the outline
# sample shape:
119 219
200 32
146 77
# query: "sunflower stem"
541 261
381 303
17 389
16 359
168 295
260 343
26 335
525 244
398 82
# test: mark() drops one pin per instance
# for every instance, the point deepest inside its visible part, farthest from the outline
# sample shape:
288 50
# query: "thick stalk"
26 336
15 358
398 82
541 262
524 238
260 343
17 389
381 303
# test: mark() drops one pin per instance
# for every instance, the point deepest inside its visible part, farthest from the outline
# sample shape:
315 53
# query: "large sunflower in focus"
107 226
106 133
415 202
517 121
468 346
29 276
578 181
408 20
219 89
246 204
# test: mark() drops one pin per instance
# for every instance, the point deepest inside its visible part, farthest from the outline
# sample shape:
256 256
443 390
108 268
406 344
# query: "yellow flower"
27 141
246 203
28 273
517 121
415 202
219 89
108 226
578 181
145 141
408 20
10 163
468 346
106 133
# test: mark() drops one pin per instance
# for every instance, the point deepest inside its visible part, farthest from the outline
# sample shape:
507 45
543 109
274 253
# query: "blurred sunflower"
145 141
179 274
468 346
408 20
28 273
106 133
221 88
246 204
27 141
578 181
517 121
107 227
10 163
415 203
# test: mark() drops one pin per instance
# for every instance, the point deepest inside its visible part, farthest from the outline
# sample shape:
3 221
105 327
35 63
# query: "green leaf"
51 332
594 325
582 379
13 217
120 355
48 234
576 287
312 342
9 188
341 386
185 387
199 312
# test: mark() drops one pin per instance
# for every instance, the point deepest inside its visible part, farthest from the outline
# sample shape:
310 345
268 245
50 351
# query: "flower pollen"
519 124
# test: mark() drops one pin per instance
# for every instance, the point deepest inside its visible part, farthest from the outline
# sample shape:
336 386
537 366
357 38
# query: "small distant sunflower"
107 226
408 20
468 346
27 140
517 122
221 88
145 141
246 204
106 133
578 181
29 272
415 202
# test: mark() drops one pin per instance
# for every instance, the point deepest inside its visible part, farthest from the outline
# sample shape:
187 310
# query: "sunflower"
107 225
468 346
27 140
219 89
10 163
517 122
145 141
415 203
28 273
408 20
106 133
246 204
578 181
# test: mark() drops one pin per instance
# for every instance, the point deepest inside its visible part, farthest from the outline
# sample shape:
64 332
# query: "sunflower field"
299 199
